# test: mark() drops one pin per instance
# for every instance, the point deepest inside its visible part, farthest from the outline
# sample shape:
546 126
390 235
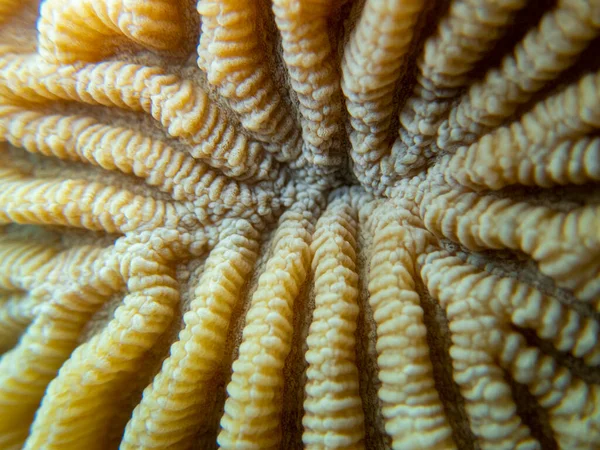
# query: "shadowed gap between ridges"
532 414
576 366
366 352
206 436
439 342
508 263
294 371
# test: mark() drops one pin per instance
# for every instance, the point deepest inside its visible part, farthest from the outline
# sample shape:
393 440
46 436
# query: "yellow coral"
229 52
333 415
546 51
266 340
168 414
71 31
372 64
309 57
414 419
299 224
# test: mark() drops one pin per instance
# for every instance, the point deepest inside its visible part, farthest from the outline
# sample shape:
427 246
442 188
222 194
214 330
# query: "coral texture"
324 224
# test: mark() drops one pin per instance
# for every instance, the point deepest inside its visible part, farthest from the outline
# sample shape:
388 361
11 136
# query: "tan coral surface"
324 224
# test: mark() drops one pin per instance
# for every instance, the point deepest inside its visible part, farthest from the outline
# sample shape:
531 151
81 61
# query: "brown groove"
439 341
294 371
206 436
517 265
532 414
577 367
366 353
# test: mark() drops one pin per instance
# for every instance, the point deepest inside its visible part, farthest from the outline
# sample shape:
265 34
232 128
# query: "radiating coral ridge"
286 224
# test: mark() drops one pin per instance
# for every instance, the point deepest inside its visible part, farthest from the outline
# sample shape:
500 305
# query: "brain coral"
318 224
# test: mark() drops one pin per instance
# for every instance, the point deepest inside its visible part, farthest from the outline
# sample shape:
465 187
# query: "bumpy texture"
316 224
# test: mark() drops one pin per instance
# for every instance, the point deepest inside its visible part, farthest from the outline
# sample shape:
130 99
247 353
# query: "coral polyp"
318 224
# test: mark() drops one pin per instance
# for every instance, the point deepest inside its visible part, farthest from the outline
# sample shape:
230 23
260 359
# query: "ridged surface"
547 146
253 420
414 419
464 36
171 405
71 31
374 59
310 60
539 58
230 53
333 415
299 224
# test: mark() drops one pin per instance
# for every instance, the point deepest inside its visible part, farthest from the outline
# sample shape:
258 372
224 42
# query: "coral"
266 338
299 224
414 418
229 52
546 51
333 414
71 31
373 64
464 36
185 376
314 76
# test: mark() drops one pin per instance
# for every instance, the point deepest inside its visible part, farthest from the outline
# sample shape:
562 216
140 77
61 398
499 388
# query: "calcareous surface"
288 224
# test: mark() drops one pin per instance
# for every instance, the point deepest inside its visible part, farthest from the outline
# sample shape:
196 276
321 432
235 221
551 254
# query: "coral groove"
324 224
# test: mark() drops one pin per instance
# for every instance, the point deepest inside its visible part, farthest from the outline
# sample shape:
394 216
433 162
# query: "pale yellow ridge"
566 245
22 263
311 62
484 344
16 313
252 411
81 138
477 340
414 415
374 60
230 52
545 147
180 106
546 51
171 410
463 37
78 404
333 415
82 204
89 30
78 282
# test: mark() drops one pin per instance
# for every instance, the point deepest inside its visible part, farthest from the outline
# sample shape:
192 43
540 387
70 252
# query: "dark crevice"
61 237
532 414
34 234
560 198
294 371
524 20
514 264
590 375
439 342
338 36
206 436
366 354
587 62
